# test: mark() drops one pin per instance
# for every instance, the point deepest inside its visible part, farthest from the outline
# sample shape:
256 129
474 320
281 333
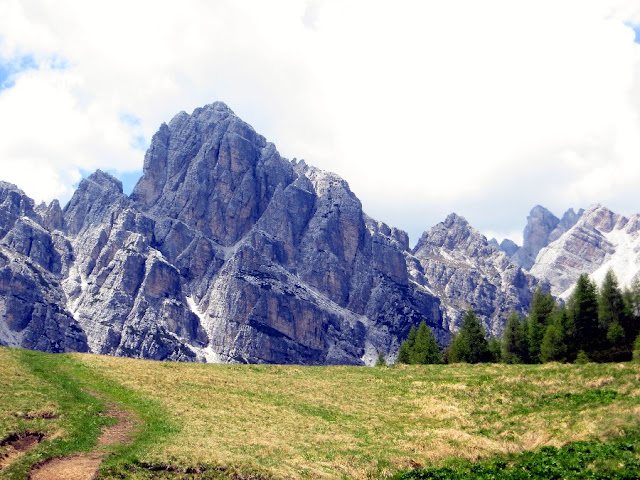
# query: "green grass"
269 421
73 394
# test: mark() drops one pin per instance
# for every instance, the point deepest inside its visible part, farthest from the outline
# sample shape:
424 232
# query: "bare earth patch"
16 445
85 466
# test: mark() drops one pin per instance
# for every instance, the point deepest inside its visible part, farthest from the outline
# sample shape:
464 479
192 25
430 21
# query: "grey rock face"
463 270
277 259
540 223
32 302
542 228
509 247
599 241
124 293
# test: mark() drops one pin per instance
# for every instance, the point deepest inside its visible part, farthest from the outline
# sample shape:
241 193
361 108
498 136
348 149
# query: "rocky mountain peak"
14 204
96 195
467 271
453 234
603 219
540 223
212 172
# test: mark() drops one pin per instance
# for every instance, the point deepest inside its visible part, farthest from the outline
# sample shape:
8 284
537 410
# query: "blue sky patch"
10 67
139 143
130 119
129 180
636 30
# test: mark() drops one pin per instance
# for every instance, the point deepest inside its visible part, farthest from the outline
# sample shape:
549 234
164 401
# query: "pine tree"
469 344
425 349
514 347
404 353
636 350
582 308
541 309
632 298
554 342
495 350
420 347
613 312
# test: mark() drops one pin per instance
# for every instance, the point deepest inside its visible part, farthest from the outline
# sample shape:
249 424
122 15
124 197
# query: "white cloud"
483 108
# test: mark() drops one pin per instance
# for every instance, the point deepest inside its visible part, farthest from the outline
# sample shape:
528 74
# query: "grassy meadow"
269 421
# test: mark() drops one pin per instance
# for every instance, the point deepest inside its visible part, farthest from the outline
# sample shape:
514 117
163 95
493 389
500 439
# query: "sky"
483 108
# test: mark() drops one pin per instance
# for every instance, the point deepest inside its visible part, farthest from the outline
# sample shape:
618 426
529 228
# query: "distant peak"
455 219
212 113
106 180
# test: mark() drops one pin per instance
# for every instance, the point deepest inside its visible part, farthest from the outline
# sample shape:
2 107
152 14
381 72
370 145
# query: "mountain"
600 240
32 301
542 228
466 272
227 252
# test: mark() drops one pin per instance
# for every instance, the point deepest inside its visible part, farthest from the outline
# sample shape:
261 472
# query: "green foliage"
404 353
495 350
381 362
420 347
632 298
553 348
582 308
636 350
514 347
615 460
611 304
542 307
615 334
582 358
469 345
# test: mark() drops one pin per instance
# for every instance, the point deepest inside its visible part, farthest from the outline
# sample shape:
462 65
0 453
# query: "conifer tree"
514 347
469 344
636 350
554 342
404 353
613 312
582 308
420 347
425 349
494 346
541 309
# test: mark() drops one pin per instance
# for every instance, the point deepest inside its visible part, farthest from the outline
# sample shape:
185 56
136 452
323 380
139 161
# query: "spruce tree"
425 348
420 347
613 312
469 344
495 350
636 350
404 353
514 341
582 308
541 309
554 342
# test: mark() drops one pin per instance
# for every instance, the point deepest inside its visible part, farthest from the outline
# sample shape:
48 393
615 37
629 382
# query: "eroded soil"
85 466
16 444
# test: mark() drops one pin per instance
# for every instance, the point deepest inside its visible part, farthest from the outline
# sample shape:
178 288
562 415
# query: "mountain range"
227 252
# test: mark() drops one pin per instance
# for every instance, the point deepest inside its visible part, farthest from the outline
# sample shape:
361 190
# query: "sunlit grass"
309 422
292 421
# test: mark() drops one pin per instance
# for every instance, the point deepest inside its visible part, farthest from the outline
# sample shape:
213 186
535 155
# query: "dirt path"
85 466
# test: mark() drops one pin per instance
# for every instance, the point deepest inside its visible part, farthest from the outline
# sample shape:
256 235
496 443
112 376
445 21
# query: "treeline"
596 324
